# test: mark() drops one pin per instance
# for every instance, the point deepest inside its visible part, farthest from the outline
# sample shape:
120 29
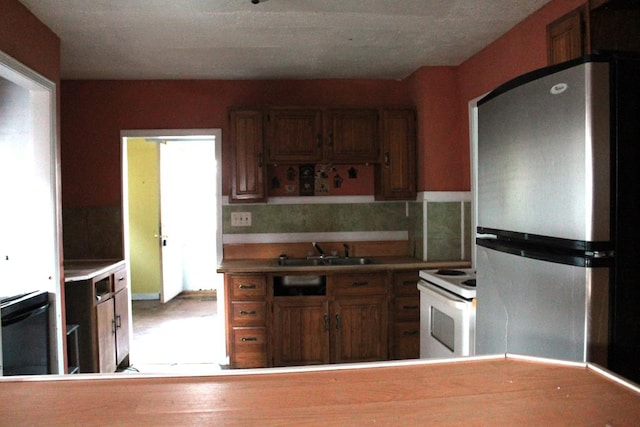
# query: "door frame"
216 133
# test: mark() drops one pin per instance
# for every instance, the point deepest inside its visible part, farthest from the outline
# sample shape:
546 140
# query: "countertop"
500 390
85 269
379 263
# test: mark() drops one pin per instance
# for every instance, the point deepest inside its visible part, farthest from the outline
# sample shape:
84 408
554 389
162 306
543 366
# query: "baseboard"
150 296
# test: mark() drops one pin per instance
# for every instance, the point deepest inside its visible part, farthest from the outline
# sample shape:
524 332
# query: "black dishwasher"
25 334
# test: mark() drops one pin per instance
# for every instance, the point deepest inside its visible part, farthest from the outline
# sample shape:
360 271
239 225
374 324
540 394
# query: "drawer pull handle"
248 313
411 333
358 284
410 307
338 322
247 339
250 286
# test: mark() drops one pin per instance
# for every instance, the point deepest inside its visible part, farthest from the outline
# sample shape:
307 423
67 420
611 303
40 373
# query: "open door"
170 233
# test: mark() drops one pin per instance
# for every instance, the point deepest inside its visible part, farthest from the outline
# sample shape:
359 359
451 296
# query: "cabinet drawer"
249 347
406 283
406 340
248 313
119 279
406 309
248 287
360 284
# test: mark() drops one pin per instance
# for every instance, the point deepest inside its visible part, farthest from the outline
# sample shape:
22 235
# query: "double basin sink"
322 261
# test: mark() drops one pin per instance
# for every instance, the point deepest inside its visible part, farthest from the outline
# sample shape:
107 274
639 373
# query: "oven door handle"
441 295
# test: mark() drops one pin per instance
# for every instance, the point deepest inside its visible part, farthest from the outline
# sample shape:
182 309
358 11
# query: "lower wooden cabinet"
99 306
406 316
360 333
300 331
249 347
247 338
347 324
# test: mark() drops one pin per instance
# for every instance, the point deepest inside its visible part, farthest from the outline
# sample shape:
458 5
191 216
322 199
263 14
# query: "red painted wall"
442 96
94 113
29 41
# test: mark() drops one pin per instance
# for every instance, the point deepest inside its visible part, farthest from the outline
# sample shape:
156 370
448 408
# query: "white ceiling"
275 39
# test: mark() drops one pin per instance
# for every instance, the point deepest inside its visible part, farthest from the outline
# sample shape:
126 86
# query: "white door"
188 216
170 228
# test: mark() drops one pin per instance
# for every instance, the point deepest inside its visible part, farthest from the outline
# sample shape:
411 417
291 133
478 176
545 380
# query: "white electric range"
447 313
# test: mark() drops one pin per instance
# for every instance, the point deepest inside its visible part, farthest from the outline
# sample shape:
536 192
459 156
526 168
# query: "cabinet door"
247 168
352 135
301 331
106 326
360 329
396 175
121 300
565 38
294 135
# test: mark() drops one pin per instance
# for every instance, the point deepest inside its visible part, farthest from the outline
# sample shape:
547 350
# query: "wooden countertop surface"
380 263
85 269
477 391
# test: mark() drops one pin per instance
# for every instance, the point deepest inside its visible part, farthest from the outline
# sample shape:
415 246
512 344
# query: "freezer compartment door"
544 156
539 308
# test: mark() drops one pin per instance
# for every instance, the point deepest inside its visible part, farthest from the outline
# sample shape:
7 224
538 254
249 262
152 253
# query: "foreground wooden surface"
497 391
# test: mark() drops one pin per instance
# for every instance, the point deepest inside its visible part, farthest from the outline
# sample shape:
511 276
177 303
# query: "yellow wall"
144 216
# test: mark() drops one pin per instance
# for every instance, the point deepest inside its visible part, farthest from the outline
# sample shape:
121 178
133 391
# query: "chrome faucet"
318 248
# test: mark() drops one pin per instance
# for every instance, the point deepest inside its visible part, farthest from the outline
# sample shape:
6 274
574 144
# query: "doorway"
171 209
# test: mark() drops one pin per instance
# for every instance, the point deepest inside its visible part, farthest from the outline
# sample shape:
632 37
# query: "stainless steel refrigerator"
558 214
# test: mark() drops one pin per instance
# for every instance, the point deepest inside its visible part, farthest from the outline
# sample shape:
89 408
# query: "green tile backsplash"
333 217
443 231
443 234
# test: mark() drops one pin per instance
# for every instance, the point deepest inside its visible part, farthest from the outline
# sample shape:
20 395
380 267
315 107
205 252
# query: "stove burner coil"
469 282
451 273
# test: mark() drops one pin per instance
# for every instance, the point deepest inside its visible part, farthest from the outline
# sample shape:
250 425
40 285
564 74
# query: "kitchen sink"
328 261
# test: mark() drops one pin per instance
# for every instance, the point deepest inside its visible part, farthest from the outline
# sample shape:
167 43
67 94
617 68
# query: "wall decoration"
337 181
291 174
307 180
321 180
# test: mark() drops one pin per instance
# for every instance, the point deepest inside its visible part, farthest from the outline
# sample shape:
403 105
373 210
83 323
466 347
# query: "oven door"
447 323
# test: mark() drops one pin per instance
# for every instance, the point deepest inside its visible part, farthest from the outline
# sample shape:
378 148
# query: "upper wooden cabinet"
352 135
297 135
386 138
396 174
565 38
603 25
247 167
294 135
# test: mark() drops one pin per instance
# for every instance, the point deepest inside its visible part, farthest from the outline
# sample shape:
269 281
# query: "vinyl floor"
184 335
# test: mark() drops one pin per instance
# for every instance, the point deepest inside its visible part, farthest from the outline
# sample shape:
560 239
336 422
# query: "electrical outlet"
241 219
